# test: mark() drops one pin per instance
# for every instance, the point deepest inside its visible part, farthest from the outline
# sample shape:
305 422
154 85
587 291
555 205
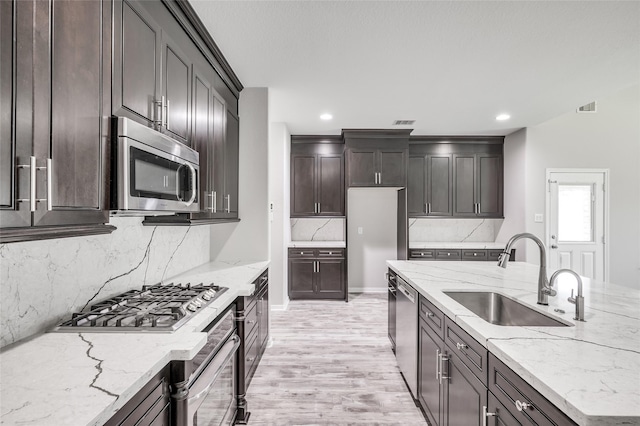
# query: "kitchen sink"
502 310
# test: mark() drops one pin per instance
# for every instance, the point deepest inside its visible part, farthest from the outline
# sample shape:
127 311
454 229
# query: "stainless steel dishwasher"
407 334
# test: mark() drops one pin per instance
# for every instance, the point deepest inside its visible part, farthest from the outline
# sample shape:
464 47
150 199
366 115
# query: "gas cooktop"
160 308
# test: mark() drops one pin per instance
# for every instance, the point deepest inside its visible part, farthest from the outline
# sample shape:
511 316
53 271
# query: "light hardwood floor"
331 364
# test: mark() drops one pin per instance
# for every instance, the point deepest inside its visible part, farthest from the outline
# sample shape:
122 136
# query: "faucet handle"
571 299
549 290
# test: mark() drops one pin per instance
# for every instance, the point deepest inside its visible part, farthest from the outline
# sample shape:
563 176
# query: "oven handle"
203 384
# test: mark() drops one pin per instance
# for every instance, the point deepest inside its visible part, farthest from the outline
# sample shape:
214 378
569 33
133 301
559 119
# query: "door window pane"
575 215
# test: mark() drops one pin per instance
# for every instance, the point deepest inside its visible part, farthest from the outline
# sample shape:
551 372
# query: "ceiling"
452 66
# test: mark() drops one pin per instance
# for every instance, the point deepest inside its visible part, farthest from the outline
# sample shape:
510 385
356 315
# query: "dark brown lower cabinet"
150 406
252 319
453 387
317 273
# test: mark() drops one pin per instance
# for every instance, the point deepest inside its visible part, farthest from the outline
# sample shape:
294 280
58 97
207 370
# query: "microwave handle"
194 193
203 384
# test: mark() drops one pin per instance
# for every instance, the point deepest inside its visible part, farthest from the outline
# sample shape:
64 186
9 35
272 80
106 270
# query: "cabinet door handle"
158 112
228 203
479 210
461 346
214 202
163 109
485 414
167 117
32 183
443 359
438 365
428 208
49 198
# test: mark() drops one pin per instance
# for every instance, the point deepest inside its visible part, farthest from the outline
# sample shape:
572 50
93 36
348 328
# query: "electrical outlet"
360 230
538 218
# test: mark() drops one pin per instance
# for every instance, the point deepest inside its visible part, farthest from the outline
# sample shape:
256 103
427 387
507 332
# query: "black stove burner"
156 307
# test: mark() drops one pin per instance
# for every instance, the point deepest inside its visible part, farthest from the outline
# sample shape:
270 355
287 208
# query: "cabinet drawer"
494 254
261 281
471 353
250 321
509 389
331 252
251 357
422 254
302 252
432 316
446 254
474 255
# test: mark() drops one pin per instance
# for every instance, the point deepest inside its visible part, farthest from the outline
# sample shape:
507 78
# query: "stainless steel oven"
151 171
207 393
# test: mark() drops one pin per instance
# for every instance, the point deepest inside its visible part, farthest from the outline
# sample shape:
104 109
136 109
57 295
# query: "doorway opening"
577 226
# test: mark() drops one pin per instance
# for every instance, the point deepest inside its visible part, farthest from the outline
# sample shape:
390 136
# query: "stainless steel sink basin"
501 310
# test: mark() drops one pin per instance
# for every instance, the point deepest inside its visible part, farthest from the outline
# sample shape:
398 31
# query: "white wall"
279 177
375 210
514 190
608 139
249 238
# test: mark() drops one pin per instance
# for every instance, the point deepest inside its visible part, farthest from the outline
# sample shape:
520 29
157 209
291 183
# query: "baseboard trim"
281 307
367 290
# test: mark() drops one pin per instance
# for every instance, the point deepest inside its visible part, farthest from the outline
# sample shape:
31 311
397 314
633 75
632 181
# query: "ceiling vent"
591 107
404 122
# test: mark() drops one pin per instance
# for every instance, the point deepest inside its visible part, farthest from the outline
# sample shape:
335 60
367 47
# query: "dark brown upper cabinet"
317 176
152 72
198 105
456 177
430 185
56 103
376 157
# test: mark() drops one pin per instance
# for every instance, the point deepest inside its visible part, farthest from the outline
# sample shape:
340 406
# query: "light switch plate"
538 218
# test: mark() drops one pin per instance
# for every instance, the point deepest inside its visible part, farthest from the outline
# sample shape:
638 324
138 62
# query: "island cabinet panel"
317 176
317 273
430 393
456 176
465 395
56 106
522 401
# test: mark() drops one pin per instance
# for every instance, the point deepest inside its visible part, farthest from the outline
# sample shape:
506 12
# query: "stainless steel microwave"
152 172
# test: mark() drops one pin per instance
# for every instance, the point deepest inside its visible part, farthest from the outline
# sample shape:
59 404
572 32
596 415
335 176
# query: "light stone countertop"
453 245
84 378
591 371
317 244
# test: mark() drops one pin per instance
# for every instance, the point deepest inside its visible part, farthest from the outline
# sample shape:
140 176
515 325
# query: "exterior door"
576 203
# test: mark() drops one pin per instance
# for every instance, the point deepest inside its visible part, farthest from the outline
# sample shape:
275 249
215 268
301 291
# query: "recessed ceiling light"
503 117
326 117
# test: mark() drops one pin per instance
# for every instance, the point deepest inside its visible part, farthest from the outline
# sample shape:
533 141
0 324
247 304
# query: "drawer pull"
330 253
485 414
522 406
301 252
251 322
430 314
250 359
461 346
475 254
448 254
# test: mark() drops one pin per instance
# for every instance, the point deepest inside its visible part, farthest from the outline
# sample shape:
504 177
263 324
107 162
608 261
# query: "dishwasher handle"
407 291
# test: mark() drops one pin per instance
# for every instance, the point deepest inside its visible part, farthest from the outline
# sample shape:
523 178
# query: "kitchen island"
589 370
83 378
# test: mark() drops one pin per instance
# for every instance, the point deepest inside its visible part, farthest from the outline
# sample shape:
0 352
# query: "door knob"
553 246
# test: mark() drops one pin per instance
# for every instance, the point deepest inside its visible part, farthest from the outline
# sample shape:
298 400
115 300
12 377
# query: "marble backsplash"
454 230
43 282
321 229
